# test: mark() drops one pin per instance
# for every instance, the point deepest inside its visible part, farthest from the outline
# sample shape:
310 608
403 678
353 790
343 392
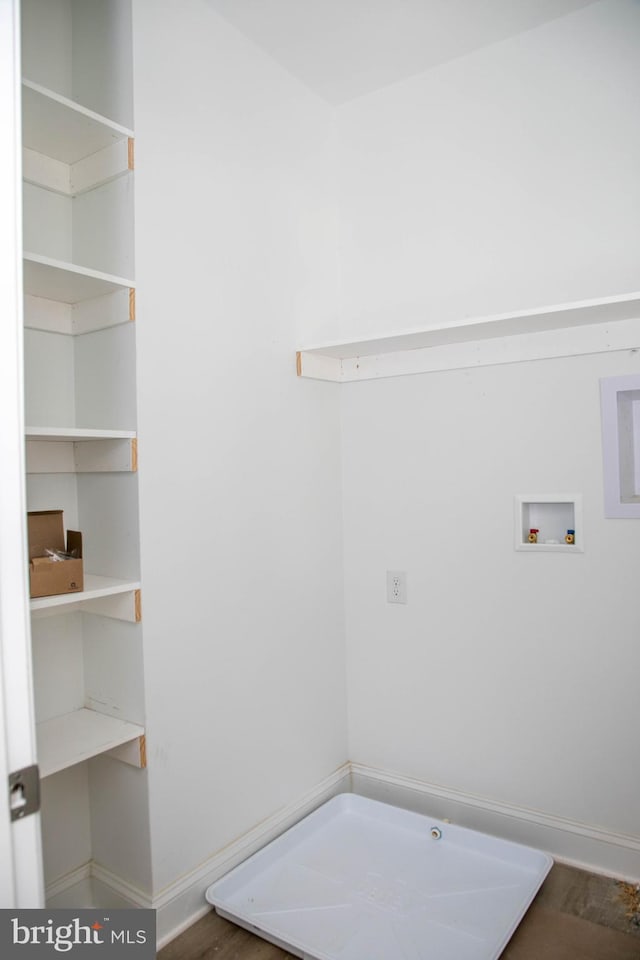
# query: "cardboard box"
48 577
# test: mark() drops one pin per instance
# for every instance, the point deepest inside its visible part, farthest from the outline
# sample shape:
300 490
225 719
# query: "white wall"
504 180
501 181
239 460
507 675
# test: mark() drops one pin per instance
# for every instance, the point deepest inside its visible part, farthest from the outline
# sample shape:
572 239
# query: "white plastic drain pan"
361 880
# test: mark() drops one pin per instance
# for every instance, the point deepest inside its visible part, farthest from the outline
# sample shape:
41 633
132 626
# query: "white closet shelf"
76 434
77 736
63 129
609 323
80 450
105 596
67 282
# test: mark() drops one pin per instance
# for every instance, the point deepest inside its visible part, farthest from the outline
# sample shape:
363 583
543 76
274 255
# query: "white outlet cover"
396 586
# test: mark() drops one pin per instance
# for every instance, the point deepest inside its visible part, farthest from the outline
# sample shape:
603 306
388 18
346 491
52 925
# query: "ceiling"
343 49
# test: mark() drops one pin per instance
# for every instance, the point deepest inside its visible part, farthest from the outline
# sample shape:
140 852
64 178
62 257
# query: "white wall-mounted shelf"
66 282
76 434
77 736
552 515
78 450
620 409
62 129
569 329
104 596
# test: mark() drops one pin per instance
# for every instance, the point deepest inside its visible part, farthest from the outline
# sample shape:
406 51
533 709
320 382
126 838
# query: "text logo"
42 933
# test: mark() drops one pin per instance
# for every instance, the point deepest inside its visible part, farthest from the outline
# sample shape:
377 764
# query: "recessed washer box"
549 522
362 880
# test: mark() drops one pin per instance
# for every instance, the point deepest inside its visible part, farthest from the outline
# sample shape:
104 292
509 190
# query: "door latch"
24 792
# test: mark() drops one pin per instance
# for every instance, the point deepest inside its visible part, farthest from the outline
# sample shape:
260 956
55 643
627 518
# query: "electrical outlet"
396 586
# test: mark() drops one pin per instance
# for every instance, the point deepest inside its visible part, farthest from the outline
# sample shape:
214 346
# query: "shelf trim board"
99 168
47 172
72 180
60 128
50 316
134 752
75 319
315 366
85 455
78 736
103 596
621 334
98 313
120 606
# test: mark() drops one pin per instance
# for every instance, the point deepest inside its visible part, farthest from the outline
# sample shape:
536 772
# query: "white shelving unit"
560 330
81 438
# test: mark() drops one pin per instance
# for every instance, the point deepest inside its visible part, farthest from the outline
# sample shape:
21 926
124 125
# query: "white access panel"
360 879
620 411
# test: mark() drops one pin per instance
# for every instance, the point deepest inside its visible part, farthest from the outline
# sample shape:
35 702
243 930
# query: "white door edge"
21 876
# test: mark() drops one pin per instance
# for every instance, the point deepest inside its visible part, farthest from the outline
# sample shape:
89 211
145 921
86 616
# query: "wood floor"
576 916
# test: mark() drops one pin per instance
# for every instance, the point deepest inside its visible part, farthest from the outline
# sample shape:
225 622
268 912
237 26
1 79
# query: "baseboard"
59 887
90 885
119 888
181 904
568 841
